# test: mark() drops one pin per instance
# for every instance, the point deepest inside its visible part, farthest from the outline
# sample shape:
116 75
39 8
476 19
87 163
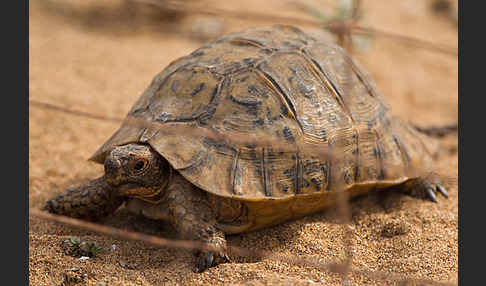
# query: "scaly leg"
191 214
92 201
425 188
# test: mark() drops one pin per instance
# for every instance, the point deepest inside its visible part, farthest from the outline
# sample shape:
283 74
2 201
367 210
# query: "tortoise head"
137 170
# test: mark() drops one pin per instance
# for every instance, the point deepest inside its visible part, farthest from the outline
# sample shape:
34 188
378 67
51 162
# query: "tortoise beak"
140 192
112 171
128 189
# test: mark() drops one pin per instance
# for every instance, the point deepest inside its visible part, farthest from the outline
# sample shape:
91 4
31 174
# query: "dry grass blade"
356 11
217 12
320 151
125 234
344 36
440 131
228 136
46 105
177 6
190 245
414 42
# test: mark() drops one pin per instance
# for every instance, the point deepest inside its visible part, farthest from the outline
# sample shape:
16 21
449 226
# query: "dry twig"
191 245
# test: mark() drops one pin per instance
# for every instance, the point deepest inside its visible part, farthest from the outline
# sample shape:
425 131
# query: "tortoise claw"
442 191
430 194
209 259
425 188
204 261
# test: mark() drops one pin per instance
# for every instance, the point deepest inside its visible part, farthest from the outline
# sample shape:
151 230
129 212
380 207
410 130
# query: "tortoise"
275 82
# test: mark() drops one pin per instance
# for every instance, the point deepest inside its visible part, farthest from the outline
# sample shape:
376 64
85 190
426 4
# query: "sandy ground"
103 71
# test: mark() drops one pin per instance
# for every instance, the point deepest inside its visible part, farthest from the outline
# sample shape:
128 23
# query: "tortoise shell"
275 83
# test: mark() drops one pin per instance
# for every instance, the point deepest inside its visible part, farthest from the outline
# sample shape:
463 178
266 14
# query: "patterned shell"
274 83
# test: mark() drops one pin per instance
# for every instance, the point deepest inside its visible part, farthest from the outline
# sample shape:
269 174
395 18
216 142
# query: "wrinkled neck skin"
153 194
181 198
158 207
150 195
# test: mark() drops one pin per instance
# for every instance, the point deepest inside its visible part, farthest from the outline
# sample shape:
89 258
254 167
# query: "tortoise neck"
160 192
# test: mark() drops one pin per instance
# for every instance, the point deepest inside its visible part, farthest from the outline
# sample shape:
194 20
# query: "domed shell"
280 85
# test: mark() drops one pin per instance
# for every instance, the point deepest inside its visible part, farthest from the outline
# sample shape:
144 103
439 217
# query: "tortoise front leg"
191 215
92 201
196 229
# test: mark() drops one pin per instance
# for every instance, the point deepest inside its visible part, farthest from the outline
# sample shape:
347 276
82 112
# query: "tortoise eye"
139 165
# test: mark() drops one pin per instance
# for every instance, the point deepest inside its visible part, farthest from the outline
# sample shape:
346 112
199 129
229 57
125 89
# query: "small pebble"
346 282
83 258
395 228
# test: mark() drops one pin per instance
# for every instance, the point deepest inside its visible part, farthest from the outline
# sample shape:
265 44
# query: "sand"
103 71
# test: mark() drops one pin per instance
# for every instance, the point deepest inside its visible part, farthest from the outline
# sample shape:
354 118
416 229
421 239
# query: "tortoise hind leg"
92 201
425 188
